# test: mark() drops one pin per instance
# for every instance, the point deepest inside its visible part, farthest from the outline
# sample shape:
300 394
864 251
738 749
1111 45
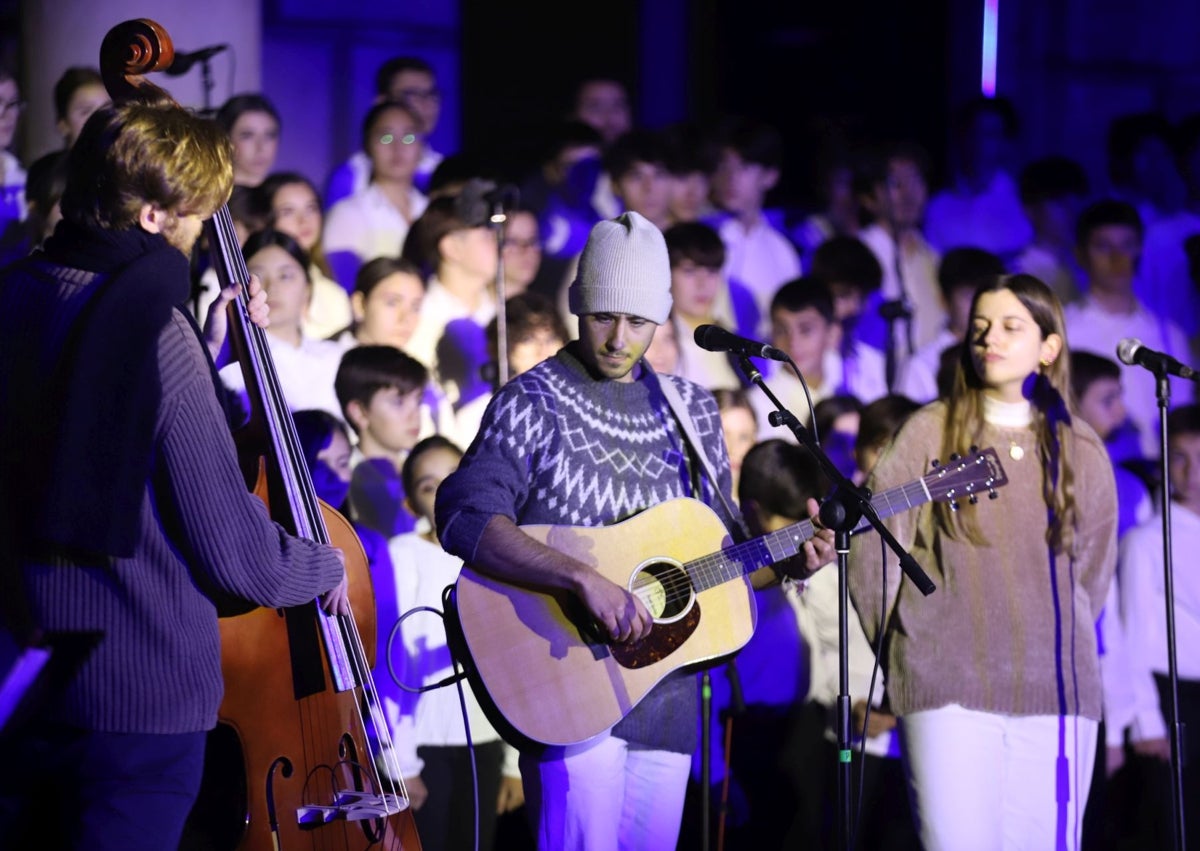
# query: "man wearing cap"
587 438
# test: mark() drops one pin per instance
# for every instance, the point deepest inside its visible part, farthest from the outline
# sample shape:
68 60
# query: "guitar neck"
745 558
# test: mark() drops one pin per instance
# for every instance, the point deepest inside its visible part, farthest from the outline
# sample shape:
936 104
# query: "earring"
1045 363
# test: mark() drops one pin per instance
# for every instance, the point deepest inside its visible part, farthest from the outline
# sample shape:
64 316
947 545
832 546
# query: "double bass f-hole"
294 740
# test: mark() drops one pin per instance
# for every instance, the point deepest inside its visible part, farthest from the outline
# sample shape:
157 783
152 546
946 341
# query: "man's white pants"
605 796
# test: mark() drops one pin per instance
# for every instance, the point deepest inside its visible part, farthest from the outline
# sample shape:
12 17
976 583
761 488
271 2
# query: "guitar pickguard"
663 640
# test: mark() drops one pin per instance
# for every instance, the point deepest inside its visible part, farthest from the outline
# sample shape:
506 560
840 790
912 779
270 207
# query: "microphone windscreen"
1127 350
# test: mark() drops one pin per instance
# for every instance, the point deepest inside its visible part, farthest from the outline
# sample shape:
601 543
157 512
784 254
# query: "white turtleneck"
1007 414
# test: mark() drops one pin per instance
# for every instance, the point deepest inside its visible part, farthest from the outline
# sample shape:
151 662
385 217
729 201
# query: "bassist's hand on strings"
336 601
216 324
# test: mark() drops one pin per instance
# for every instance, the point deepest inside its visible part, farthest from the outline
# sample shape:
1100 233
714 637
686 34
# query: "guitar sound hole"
665 589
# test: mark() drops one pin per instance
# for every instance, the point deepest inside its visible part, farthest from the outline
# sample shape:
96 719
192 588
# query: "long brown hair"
1052 410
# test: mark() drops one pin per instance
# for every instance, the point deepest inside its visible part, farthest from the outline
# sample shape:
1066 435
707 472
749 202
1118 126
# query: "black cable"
456 678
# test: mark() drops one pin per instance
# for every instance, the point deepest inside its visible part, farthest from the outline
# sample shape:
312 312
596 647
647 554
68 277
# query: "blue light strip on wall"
991 17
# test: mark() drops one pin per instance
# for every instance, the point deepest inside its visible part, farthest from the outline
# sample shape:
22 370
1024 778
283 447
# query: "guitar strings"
713 569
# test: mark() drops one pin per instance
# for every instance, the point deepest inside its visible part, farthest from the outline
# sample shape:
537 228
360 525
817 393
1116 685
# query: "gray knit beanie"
623 269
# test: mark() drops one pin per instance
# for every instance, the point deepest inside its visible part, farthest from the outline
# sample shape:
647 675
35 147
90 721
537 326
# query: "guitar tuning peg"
935 463
954 505
974 448
974 499
992 493
955 457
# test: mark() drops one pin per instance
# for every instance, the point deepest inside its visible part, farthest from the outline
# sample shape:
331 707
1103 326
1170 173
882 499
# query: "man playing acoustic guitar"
588 438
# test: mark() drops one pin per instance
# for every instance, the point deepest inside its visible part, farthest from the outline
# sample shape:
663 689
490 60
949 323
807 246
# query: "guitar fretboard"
742 559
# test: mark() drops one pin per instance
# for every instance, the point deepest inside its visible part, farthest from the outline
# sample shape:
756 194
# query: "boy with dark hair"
802 325
852 274
379 389
692 157
702 296
1143 607
961 271
758 254
907 312
1053 191
1108 239
636 164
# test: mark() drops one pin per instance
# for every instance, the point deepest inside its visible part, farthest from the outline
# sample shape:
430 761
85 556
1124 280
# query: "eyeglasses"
406 139
14 106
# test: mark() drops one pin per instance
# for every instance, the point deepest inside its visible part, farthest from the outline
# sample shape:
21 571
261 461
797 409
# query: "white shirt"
328 310
367 224
790 392
306 373
1143 605
421 571
359 168
1163 283
1091 329
817 610
919 266
917 378
863 375
439 309
711 370
759 258
992 219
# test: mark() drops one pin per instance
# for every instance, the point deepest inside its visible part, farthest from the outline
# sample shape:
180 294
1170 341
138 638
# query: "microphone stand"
893 311
498 219
846 505
206 81
899 309
1176 728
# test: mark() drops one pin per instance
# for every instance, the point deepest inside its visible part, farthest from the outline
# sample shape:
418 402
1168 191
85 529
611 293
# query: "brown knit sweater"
1009 629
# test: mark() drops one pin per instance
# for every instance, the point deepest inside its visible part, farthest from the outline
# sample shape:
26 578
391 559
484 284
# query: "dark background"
866 69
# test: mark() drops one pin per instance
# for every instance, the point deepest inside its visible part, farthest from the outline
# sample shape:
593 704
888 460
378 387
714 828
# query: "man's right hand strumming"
622 615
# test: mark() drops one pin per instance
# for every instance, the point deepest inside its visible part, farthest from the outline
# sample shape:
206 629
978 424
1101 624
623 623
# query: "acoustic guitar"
544 672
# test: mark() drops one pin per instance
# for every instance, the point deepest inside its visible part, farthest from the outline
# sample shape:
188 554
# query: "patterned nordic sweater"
560 447
1008 630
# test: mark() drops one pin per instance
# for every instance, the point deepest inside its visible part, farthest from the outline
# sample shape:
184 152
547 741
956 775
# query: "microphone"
1132 352
714 338
184 61
480 199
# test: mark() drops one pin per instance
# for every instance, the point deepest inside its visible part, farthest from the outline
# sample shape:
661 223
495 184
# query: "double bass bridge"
351 805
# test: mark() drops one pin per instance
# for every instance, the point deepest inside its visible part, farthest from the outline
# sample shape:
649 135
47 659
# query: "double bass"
293 763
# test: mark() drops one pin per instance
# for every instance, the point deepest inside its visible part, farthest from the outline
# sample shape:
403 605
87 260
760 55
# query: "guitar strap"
684 418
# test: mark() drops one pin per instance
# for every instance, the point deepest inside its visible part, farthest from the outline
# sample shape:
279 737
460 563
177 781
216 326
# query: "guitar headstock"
968 476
